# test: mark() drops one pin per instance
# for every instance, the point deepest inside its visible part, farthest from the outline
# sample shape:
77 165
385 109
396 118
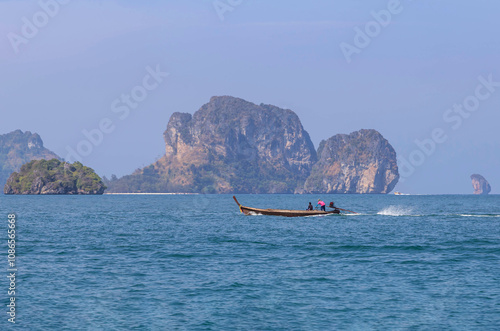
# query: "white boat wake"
397 211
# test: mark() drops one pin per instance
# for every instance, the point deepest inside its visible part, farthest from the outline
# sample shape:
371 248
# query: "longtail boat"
284 212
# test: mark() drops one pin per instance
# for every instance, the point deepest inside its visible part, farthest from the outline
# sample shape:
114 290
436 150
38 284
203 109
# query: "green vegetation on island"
54 177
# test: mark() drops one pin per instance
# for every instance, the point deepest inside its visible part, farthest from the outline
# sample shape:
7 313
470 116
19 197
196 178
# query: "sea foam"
396 211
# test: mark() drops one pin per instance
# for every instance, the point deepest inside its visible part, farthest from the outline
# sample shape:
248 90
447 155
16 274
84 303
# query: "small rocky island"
480 184
360 162
54 177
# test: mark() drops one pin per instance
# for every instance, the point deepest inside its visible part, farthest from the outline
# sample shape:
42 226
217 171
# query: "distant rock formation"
54 177
18 148
228 146
361 162
234 146
480 184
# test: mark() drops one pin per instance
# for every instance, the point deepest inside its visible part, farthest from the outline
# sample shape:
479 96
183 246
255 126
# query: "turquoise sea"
193 262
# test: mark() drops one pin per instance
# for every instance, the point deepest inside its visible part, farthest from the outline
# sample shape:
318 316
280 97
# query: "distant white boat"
399 193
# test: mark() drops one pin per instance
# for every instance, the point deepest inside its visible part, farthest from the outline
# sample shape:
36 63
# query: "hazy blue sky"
69 74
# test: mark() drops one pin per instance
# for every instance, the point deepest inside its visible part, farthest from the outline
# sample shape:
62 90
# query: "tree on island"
54 177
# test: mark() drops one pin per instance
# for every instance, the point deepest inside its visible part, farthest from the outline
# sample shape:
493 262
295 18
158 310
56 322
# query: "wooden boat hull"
283 212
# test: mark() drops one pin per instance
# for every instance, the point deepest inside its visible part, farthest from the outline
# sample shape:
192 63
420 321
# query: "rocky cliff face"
480 184
229 145
17 148
361 162
54 177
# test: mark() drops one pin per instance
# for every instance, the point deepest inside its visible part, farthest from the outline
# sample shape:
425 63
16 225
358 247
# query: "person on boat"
332 205
310 207
321 204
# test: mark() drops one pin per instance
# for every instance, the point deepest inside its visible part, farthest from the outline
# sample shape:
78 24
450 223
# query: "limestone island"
480 184
234 146
54 177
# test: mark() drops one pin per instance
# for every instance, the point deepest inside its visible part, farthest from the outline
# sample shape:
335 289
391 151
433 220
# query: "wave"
408 211
397 211
478 215
252 213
